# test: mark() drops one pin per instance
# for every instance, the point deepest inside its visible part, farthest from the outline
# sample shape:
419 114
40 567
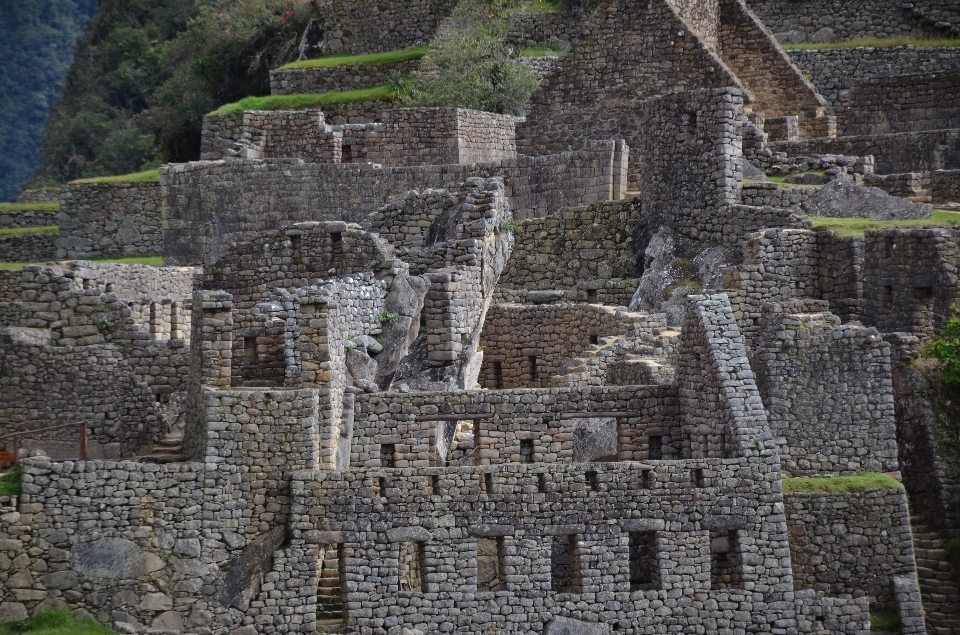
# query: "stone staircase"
169 449
329 595
938 582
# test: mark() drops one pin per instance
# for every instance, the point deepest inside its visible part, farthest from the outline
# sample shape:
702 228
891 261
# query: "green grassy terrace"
29 207
371 59
153 261
56 622
872 42
10 482
136 177
856 226
299 102
840 484
23 231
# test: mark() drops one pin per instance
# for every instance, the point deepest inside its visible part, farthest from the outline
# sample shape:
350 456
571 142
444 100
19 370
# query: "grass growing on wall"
23 231
372 59
882 620
299 102
10 482
153 261
856 226
872 42
29 207
56 622
146 176
839 484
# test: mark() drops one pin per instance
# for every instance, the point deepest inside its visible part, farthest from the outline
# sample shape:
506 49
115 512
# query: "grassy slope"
872 42
29 207
840 484
856 226
373 59
136 177
56 622
153 261
299 102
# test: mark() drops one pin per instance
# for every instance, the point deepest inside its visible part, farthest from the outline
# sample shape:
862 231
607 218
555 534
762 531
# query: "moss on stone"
863 482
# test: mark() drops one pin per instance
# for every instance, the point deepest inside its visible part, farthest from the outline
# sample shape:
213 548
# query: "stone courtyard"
434 370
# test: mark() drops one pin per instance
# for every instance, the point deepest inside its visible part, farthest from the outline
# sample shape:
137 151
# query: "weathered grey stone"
545 296
156 602
241 576
594 439
570 626
12 612
841 198
109 558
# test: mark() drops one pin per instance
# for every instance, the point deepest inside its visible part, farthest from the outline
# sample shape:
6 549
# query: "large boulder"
842 199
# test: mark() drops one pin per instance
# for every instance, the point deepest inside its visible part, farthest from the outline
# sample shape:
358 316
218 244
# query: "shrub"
946 348
10 482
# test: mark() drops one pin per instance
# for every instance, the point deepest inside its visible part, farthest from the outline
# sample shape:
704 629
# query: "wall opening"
886 296
388 454
655 451
542 482
336 239
476 443
486 483
592 296
296 244
346 156
643 479
923 293
110 287
526 450
565 564
696 476
726 571
413 560
249 352
331 585
644 568
176 321
594 340
591 478
381 487
691 125
532 367
498 375
433 485
490 564
156 321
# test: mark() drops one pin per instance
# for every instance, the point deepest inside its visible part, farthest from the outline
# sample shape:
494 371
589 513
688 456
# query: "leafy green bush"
56 622
472 67
946 348
10 482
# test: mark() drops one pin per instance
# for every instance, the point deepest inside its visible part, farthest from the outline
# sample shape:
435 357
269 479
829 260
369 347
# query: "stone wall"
39 195
776 195
26 218
533 29
945 186
269 134
110 219
904 103
586 251
9 285
298 81
829 21
851 543
893 153
811 370
31 247
210 205
525 345
376 27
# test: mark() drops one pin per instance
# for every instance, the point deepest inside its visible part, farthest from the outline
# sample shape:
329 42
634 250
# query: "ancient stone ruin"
433 370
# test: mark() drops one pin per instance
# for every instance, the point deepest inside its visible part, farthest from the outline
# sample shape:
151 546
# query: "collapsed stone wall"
893 153
586 251
827 390
828 21
299 81
525 345
110 219
904 103
211 205
852 543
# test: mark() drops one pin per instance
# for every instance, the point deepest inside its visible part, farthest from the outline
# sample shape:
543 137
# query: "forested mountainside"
36 48
146 71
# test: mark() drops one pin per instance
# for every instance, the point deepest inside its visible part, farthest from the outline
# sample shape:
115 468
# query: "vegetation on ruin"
873 42
862 482
472 67
147 176
29 207
553 46
372 59
56 622
537 6
10 482
884 620
153 261
299 102
856 226
388 317
945 348
23 231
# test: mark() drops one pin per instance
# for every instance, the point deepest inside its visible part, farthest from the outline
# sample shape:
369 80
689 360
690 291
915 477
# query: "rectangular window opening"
591 295
643 479
591 477
331 585
526 450
655 452
532 362
486 483
433 485
346 155
886 295
388 455
498 375
110 287
923 293
565 564
490 564
726 571
476 443
382 487
413 556
249 352
542 482
296 243
644 568
697 477
691 126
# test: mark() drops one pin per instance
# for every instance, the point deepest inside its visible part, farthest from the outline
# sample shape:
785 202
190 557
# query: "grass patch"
23 231
873 42
299 102
539 51
881 620
153 261
373 59
56 622
540 6
856 226
29 207
10 482
146 176
839 484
